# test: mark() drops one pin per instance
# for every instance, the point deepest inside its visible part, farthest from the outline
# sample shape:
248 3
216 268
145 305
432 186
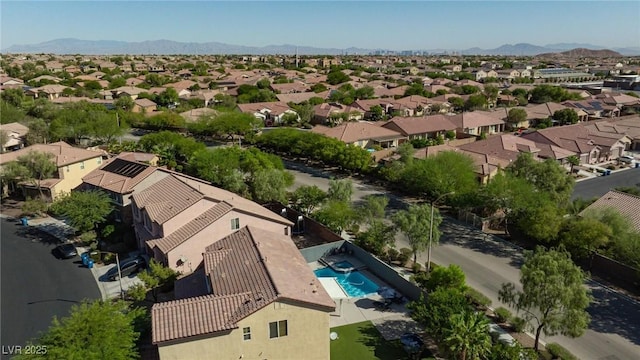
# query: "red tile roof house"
596 109
506 148
626 204
628 126
424 127
362 134
262 301
535 113
269 112
325 113
178 216
590 148
15 133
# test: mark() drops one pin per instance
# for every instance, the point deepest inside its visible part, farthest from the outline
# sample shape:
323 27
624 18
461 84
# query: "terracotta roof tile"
351 132
64 153
422 125
628 205
167 198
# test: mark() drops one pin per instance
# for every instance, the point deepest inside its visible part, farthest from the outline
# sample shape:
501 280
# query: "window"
246 333
278 329
82 165
235 224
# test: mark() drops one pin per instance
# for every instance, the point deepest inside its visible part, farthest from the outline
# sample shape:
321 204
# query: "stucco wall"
72 175
308 338
193 248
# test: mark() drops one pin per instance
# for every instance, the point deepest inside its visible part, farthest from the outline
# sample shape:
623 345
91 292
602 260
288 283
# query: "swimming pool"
354 283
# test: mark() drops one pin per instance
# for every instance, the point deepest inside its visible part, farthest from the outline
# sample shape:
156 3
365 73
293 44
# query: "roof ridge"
263 259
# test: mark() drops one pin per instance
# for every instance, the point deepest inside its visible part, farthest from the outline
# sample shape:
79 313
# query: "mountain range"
163 47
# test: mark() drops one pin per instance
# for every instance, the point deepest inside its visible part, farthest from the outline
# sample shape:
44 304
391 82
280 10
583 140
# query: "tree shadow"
454 233
35 234
612 313
386 350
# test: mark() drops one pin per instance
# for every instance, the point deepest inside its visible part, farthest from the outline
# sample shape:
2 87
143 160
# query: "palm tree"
468 336
573 160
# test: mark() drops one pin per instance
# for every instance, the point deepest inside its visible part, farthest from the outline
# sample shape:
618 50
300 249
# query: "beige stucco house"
362 134
177 217
262 301
73 164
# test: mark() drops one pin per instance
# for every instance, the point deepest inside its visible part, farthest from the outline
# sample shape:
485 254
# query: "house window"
278 329
246 333
235 224
82 165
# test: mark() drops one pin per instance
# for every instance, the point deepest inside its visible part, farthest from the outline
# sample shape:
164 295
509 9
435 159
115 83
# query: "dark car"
127 267
65 251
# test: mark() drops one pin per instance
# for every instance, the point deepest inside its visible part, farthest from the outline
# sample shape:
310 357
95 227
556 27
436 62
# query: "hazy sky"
395 25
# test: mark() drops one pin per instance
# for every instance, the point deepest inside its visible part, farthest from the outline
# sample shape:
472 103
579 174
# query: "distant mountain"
163 47
583 53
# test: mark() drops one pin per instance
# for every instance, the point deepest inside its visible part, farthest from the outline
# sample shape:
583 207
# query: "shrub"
477 298
519 324
611 167
87 237
34 207
502 314
416 267
559 352
392 254
404 256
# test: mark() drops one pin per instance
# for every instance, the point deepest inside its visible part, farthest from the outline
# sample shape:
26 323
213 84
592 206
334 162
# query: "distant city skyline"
394 25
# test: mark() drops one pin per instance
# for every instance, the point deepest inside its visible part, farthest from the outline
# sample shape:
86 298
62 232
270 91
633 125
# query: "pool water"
354 283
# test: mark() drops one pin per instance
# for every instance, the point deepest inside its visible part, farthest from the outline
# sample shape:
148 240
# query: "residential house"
506 148
130 91
626 204
178 216
120 177
262 301
15 133
290 88
271 113
508 74
424 127
477 123
72 163
334 113
536 113
362 134
595 108
576 138
6 80
144 106
629 127
485 166
298 98
52 91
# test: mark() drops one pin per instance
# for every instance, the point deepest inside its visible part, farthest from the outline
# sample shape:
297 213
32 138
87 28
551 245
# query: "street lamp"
119 271
431 228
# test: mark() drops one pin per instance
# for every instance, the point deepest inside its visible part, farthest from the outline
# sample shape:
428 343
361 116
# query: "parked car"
627 159
65 251
127 267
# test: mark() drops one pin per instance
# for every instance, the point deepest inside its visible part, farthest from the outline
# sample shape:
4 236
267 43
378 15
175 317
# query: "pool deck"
391 323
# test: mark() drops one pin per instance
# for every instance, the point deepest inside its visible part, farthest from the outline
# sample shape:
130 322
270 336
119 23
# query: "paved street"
598 186
614 333
35 285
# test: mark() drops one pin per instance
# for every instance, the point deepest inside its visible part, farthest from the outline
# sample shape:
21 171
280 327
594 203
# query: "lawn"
362 341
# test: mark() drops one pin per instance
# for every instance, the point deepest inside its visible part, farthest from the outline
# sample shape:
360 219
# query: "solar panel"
125 168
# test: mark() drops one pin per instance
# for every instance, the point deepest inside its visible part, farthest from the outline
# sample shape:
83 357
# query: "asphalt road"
488 262
35 285
598 186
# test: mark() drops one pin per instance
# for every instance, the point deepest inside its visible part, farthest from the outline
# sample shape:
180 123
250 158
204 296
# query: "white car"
627 159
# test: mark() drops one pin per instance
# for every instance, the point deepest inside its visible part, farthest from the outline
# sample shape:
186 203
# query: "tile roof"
18 128
421 125
505 147
186 231
110 175
248 270
475 119
628 205
167 198
351 132
64 153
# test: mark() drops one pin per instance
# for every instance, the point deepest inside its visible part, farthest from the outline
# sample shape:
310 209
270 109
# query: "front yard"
362 341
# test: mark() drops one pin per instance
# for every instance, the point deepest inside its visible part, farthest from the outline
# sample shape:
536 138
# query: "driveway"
488 262
111 289
35 285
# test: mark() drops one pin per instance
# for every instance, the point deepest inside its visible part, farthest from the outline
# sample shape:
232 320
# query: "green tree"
574 161
337 77
340 190
451 277
84 210
14 97
158 277
168 97
516 116
415 224
336 215
269 185
38 166
434 313
10 113
107 127
553 294
582 236
376 113
94 330
467 335
373 208
307 198
546 176
566 116
377 237
475 102
124 102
